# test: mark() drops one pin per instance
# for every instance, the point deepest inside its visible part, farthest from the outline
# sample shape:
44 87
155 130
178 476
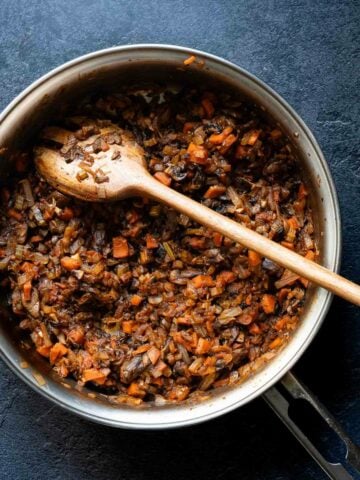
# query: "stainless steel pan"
161 63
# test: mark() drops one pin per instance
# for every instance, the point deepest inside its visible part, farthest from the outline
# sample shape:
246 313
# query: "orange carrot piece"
179 392
201 281
208 107
293 223
215 191
227 143
44 350
252 137
197 153
288 245
151 242
77 335
190 60
203 346
27 291
218 138
94 375
120 247
254 329
276 343
310 255
67 214
163 177
71 263
135 390
12 213
197 242
225 277
135 300
281 323
254 258
128 326
268 303
217 239
57 352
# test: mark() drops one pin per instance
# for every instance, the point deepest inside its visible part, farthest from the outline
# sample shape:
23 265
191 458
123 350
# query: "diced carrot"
71 263
120 247
151 242
163 177
197 153
225 277
66 214
254 329
190 60
12 213
27 291
48 214
288 245
302 193
44 350
188 126
153 354
310 255
281 323
203 346
217 239
218 138
293 223
215 191
136 391
179 392
197 242
248 299
254 258
135 300
227 144
268 303
57 351
251 137
128 326
36 239
282 294
77 335
208 107
94 375
276 134
141 349
201 281
276 343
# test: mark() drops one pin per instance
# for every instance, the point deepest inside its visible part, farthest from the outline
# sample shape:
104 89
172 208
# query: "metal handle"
280 403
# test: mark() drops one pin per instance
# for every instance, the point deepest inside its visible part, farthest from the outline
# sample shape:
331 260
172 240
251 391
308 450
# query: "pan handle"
280 396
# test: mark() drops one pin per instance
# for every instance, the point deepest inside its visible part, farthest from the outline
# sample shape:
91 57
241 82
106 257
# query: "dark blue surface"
308 52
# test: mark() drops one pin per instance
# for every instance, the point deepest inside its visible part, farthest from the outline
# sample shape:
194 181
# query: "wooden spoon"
118 171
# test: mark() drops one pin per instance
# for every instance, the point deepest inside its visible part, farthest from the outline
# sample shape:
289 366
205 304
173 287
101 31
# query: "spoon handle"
248 238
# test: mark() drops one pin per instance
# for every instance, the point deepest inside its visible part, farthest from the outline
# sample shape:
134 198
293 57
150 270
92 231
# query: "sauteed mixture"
134 299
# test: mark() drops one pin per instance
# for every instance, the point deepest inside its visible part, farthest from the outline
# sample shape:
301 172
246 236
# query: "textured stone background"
308 52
